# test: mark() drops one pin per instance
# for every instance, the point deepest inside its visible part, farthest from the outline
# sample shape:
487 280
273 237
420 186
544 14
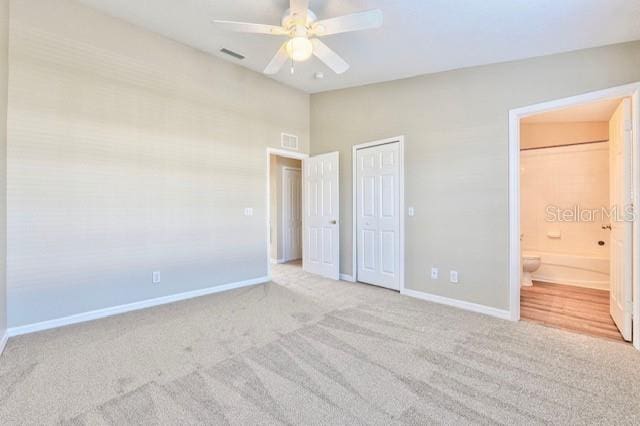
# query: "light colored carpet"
304 350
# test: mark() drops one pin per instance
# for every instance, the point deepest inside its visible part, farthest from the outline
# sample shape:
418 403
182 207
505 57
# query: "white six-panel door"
378 210
321 239
620 194
291 214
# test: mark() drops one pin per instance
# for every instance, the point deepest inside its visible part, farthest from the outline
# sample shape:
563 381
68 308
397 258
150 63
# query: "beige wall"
456 128
277 163
538 135
4 40
129 153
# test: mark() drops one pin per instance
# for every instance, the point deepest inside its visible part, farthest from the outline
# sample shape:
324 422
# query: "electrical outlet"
453 276
248 211
411 211
434 273
156 277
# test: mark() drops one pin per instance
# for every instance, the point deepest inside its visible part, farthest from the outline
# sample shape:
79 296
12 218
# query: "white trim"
276 261
143 304
635 249
461 304
597 285
514 217
347 277
3 341
354 218
281 153
515 115
287 153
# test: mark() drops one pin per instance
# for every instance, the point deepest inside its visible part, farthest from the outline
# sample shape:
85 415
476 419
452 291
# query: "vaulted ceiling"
417 37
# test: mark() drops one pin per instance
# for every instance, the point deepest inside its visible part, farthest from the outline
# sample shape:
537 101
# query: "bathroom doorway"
575 223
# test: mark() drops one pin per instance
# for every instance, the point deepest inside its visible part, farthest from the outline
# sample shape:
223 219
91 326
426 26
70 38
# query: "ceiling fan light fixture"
299 49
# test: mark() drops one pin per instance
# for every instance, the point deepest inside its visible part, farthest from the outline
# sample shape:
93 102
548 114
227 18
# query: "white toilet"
530 263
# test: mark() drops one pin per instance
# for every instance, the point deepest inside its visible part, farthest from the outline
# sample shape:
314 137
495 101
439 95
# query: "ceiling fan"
303 29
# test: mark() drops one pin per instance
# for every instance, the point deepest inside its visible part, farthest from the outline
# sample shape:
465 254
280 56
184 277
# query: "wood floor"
578 309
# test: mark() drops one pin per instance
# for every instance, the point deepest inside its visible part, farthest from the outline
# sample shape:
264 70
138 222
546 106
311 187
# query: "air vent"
232 53
289 141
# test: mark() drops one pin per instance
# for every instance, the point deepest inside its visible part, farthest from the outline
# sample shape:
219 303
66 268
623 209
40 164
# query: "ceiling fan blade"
329 57
353 22
298 8
247 27
277 61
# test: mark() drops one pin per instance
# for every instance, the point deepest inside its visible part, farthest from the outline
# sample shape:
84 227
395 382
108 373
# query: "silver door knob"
333 222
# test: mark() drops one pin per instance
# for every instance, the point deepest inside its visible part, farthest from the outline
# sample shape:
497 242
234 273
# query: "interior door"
292 213
321 240
378 215
620 194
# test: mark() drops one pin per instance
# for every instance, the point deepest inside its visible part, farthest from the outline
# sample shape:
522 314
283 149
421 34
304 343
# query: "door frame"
295 169
354 216
281 153
515 115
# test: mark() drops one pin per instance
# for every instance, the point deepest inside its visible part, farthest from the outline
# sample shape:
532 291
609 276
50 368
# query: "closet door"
291 213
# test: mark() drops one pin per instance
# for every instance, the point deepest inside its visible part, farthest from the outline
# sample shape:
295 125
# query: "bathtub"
581 271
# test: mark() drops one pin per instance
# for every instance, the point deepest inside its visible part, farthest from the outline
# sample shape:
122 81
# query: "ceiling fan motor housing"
291 22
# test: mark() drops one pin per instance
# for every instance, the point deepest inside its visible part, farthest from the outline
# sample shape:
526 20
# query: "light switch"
248 211
412 212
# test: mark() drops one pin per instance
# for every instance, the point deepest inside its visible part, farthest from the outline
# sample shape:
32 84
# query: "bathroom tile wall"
565 177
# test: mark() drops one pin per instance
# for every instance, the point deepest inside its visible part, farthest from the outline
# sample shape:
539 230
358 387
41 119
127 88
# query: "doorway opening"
572 217
303 196
285 208
378 213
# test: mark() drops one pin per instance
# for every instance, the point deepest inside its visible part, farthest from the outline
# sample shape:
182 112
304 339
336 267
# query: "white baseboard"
347 277
468 306
597 285
120 309
277 261
3 341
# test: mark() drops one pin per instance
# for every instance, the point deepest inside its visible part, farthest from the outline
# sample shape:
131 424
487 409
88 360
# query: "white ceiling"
417 37
594 111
